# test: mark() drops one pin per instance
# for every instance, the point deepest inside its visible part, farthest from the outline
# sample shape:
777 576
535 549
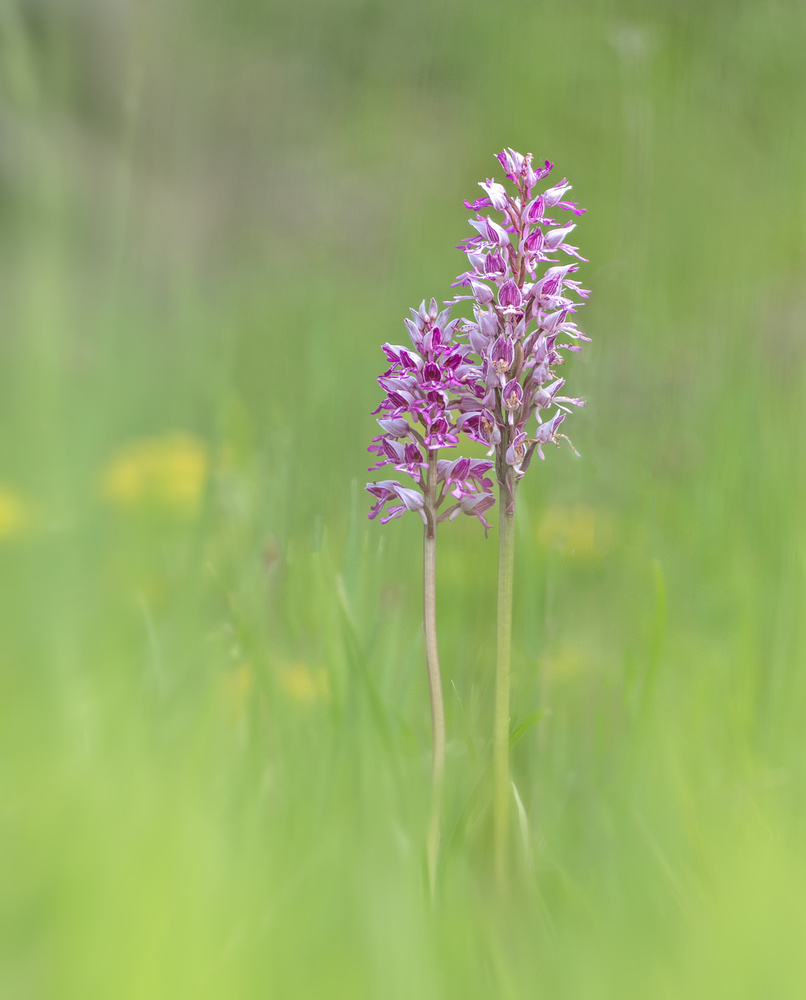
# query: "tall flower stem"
432 664
506 562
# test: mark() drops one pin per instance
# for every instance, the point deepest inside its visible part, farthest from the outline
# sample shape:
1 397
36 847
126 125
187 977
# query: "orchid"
522 323
418 418
492 377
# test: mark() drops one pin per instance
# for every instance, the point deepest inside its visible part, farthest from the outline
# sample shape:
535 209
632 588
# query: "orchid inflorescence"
518 317
424 384
487 376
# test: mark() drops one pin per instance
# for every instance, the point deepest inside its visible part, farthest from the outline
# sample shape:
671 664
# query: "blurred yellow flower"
14 513
168 471
582 530
301 684
236 686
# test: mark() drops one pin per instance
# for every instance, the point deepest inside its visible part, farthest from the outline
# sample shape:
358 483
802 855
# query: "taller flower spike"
520 310
530 309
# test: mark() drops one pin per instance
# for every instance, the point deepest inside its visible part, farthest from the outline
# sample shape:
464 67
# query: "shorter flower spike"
420 415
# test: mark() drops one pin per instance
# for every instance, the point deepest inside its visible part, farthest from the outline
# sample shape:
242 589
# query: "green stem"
506 560
432 664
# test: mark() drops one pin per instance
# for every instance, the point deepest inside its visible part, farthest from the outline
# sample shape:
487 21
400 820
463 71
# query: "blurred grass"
213 714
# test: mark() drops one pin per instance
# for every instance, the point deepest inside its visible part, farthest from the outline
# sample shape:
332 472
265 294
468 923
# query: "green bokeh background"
214 731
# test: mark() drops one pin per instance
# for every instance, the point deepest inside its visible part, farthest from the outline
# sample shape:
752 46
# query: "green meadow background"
214 728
